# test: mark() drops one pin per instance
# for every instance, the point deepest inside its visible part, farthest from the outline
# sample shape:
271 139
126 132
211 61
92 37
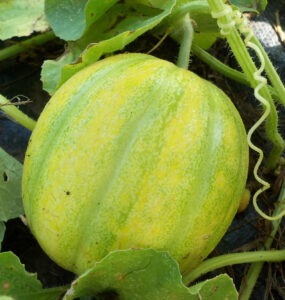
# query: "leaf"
132 274
128 30
119 26
17 283
217 288
250 5
70 18
150 3
21 18
10 187
10 190
51 69
2 231
14 278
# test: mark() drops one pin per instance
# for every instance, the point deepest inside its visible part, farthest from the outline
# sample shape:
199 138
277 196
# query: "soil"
20 77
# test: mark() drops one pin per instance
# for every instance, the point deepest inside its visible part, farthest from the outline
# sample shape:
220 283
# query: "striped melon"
134 152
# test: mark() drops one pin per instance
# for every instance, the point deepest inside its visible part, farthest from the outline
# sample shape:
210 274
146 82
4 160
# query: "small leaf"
51 69
16 282
21 18
217 288
10 187
70 18
132 274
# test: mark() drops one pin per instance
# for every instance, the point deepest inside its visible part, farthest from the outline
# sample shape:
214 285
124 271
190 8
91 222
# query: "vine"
261 82
228 20
234 74
15 114
28 44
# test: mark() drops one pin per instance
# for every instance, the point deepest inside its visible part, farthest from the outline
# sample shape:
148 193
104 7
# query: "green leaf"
70 18
250 5
118 27
17 283
2 231
217 288
150 3
132 274
10 190
13 277
10 187
21 18
51 69
132 26
66 17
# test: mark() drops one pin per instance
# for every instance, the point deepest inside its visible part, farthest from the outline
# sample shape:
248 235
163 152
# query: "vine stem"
221 261
272 74
15 114
217 65
252 275
226 22
180 10
26 45
229 72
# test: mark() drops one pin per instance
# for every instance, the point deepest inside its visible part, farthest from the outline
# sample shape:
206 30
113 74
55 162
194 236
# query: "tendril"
225 28
234 19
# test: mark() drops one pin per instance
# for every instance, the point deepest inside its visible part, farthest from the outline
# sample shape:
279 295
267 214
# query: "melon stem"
186 39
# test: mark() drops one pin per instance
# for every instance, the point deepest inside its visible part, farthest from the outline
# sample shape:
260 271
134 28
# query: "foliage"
119 26
21 18
10 190
91 30
17 283
130 274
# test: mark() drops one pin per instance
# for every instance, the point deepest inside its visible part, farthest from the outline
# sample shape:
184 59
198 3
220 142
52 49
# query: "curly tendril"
234 19
225 28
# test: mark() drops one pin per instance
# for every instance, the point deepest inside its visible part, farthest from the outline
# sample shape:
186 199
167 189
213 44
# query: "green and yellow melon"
134 152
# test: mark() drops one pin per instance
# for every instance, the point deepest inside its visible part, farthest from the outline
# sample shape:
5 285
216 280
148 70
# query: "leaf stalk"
15 114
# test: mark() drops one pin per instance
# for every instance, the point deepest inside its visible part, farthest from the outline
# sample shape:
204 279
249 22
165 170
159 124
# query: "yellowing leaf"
21 18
